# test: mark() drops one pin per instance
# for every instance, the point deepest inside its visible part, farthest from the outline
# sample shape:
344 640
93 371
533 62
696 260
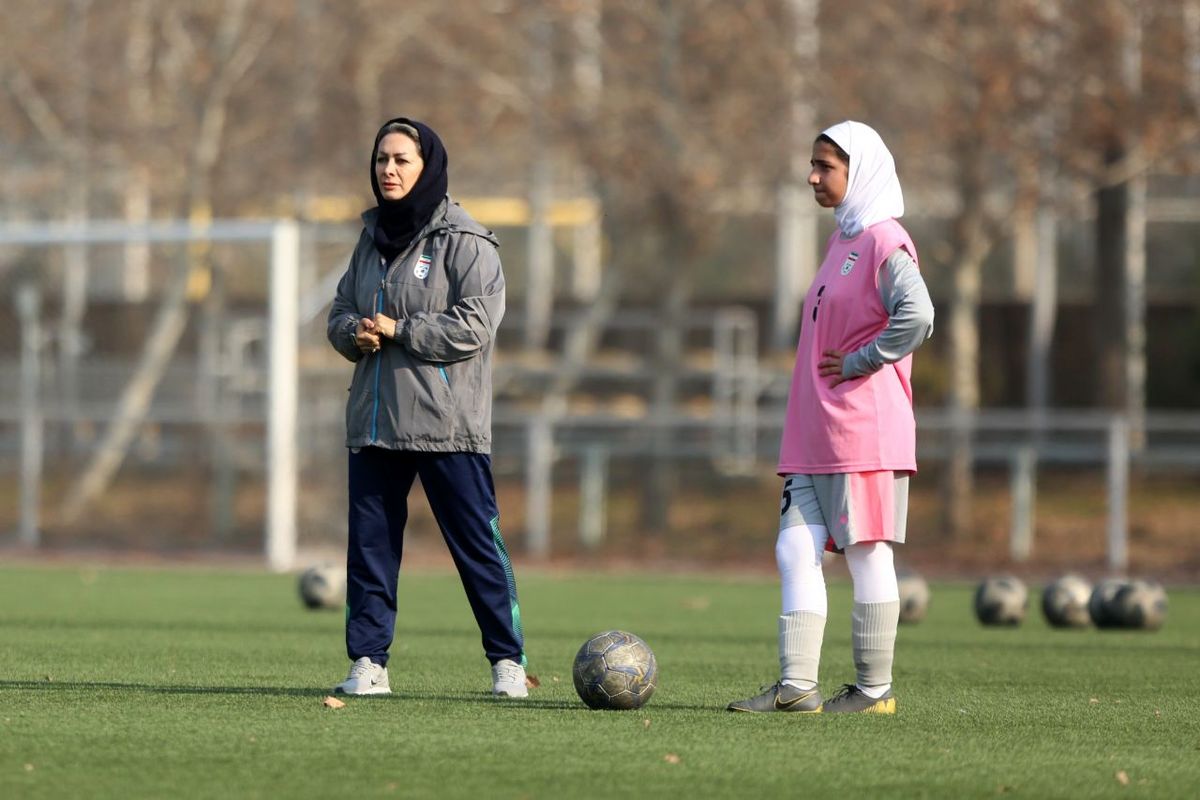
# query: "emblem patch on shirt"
848 264
421 270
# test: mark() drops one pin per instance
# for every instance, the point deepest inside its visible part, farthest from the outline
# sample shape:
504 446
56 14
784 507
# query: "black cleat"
781 697
851 700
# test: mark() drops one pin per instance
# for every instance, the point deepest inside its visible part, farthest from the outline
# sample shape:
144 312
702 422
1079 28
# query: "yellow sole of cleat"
882 707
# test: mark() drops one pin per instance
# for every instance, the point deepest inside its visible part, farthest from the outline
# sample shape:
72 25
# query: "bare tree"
1139 120
1121 227
677 116
539 288
139 103
796 251
966 80
236 46
672 156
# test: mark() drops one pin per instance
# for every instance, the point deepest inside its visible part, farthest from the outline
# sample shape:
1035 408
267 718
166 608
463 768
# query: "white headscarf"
872 189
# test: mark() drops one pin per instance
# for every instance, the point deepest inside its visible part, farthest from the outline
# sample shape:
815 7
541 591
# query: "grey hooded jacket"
430 387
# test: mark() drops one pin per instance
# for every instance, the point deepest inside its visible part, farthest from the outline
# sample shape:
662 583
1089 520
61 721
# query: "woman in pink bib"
849 438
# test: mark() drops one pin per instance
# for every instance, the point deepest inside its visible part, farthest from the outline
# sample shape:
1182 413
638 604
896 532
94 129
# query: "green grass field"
184 683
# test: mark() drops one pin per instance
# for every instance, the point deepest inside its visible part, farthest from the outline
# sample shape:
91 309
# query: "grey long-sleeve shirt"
910 317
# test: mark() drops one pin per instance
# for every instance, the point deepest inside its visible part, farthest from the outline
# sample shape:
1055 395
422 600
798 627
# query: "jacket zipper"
383 272
378 359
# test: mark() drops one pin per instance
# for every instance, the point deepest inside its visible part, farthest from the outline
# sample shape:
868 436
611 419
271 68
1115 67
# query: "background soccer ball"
1065 602
1001 600
914 597
1141 604
323 586
615 670
1101 606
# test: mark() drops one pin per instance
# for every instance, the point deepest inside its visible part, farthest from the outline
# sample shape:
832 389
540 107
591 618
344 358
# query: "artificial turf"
185 683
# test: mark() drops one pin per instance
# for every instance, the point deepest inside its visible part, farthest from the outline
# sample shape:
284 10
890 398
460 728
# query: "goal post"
283 342
283 239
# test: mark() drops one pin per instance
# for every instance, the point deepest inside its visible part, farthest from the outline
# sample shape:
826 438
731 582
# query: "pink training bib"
863 424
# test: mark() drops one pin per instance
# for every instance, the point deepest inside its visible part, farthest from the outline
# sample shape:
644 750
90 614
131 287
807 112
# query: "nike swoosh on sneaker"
790 703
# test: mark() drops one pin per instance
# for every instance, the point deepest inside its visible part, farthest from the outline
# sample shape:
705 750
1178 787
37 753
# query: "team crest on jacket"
848 264
421 270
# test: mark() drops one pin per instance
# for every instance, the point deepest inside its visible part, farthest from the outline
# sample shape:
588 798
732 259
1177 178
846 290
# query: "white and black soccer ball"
323 586
615 670
1102 606
914 597
1065 602
1001 600
1141 604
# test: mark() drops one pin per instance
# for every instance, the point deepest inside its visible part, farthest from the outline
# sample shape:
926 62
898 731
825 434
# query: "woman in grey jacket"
417 312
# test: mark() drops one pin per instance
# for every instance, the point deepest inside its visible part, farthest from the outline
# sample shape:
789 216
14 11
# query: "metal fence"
265 404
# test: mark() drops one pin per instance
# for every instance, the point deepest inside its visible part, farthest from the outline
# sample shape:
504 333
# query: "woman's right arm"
344 316
910 317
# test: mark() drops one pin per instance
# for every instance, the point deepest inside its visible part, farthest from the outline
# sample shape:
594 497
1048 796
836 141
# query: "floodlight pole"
282 394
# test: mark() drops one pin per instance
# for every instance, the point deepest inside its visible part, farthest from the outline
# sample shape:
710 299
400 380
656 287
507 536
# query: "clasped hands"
370 332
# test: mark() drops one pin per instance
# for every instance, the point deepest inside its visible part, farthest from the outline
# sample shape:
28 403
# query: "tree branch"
36 107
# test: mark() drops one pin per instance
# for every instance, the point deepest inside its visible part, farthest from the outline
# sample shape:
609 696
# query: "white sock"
873 571
798 553
876 612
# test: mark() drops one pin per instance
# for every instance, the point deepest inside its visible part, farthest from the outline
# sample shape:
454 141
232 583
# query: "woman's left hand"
385 325
830 365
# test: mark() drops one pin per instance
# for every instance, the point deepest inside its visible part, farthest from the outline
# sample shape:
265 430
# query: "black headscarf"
401 220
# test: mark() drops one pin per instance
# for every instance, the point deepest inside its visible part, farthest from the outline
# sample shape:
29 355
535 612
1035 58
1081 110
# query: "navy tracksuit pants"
462 496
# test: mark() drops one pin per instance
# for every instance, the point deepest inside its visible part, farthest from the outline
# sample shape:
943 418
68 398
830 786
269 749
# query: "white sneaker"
366 677
508 679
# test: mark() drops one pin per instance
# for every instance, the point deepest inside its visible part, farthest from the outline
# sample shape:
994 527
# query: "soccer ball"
1001 601
1065 602
1141 604
914 597
1101 604
615 670
323 586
